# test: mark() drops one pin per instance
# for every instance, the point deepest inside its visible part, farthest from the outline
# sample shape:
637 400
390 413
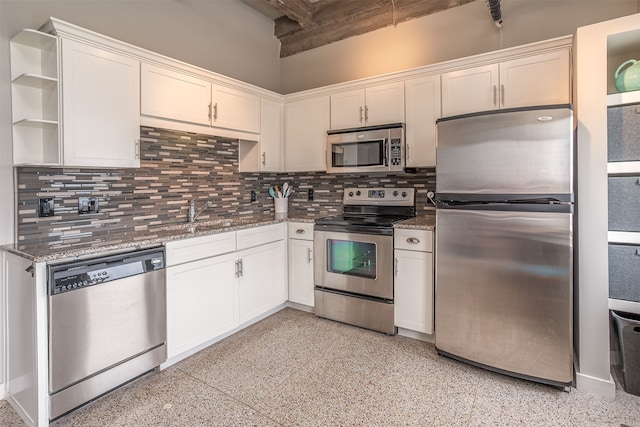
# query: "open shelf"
620 48
35 81
622 98
623 168
35 98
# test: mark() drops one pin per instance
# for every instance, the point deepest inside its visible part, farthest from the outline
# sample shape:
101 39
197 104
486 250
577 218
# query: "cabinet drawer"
413 240
624 203
624 272
197 248
301 230
257 236
623 133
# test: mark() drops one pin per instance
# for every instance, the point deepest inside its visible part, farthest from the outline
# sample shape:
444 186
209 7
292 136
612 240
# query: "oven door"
357 263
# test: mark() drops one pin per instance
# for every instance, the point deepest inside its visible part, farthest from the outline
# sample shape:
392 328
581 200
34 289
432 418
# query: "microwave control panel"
395 152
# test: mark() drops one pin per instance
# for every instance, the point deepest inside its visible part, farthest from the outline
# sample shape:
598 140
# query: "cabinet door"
270 136
536 80
347 109
301 271
234 109
201 302
423 108
385 104
306 123
101 107
262 283
413 294
173 95
470 90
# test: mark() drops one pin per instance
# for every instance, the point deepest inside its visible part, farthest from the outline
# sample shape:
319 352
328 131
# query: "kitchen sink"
194 227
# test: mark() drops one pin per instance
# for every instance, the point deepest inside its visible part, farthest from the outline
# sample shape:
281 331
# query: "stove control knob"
395 193
404 194
358 193
350 193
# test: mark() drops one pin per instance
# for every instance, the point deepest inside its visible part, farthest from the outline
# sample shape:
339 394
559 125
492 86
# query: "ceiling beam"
297 10
335 20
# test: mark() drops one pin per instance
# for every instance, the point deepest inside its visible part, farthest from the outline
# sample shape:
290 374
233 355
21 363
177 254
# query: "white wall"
458 32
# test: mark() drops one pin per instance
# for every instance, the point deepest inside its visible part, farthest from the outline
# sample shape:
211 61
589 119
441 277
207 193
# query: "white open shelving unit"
35 99
621 47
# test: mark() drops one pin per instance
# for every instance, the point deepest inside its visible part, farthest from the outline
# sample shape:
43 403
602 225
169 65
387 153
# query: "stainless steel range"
353 268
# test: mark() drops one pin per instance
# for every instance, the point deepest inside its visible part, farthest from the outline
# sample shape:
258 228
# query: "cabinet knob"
300 231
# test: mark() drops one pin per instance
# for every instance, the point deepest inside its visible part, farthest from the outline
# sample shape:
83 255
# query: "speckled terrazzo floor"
293 369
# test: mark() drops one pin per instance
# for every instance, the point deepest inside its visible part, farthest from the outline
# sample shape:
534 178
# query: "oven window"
352 154
351 258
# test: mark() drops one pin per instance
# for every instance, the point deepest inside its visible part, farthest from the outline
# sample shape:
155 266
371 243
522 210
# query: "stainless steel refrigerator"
504 241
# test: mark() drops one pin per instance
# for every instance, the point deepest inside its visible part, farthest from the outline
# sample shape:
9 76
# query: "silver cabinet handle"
30 270
215 112
361 114
395 267
366 113
237 268
138 149
241 268
502 94
209 114
408 152
413 240
309 259
264 158
495 95
300 231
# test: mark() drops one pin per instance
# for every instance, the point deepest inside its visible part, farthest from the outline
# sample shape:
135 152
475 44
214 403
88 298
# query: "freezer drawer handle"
638 251
413 240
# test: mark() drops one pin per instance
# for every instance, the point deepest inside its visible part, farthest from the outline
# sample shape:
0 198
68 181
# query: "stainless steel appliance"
353 267
367 149
106 324
504 241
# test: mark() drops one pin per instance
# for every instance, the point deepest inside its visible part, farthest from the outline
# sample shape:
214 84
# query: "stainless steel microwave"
368 149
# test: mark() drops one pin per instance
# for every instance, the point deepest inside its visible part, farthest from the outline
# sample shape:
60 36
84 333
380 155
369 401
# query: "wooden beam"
336 20
297 10
285 26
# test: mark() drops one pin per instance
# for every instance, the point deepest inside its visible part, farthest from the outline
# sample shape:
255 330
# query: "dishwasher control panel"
81 274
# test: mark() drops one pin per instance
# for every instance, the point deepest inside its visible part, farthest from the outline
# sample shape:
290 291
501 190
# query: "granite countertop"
423 221
122 241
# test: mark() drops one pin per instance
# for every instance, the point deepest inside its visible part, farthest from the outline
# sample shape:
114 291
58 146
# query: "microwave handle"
387 147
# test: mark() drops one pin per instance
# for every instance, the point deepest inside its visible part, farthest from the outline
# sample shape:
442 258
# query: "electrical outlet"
87 205
45 208
310 194
253 196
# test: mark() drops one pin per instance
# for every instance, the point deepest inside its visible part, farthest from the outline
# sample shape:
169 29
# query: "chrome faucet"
193 215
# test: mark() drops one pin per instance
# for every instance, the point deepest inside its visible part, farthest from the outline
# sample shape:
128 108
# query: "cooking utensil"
272 193
278 194
285 189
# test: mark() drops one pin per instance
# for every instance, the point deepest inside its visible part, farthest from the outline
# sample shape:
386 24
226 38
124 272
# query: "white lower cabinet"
201 302
261 282
217 282
301 263
413 295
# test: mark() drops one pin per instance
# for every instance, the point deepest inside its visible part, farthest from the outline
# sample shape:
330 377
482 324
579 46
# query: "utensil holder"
282 207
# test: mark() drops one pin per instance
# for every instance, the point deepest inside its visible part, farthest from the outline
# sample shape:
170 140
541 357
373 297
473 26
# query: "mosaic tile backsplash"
176 167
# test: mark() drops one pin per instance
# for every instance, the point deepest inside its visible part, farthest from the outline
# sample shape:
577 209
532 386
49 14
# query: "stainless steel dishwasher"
107 324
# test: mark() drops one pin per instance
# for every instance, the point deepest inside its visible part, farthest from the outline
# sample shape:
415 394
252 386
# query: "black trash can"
628 326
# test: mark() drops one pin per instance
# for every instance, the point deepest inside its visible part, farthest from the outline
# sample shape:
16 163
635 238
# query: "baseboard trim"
598 386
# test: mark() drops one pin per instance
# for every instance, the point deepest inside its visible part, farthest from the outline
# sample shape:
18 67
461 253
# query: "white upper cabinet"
539 79
375 105
536 80
270 143
173 95
100 107
422 111
234 109
176 95
470 90
306 123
